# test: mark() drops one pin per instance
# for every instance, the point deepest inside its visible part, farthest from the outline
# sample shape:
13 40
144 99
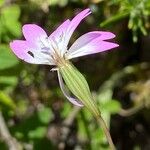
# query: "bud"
78 85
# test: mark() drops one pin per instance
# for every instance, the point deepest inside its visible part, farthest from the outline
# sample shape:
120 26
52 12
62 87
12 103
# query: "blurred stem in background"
66 124
10 141
130 111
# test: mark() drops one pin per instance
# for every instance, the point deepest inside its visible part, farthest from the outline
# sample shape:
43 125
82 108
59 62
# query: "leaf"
82 134
9 10
7 59
1 2
45 115
112 106
53 2
12 80
14 28
11 23
6 100
58 2
39 132
114 18
63 2
66 110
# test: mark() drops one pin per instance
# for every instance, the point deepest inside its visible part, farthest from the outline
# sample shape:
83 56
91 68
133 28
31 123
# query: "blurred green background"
34 114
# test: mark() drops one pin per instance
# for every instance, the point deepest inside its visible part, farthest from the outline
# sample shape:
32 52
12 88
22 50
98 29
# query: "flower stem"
106 131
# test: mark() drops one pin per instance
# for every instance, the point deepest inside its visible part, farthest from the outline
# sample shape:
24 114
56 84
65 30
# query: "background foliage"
32 107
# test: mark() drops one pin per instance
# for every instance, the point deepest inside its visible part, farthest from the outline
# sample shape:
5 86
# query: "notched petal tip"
33 32
20 49
90 43
107 35
28 26
16 45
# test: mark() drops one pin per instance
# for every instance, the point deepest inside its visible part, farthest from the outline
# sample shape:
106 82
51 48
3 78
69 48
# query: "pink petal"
75 22
20 49
60 30
88 37
33 33
29 53
91 43
62 86
59 36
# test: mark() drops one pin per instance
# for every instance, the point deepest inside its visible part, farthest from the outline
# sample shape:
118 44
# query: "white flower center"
51 48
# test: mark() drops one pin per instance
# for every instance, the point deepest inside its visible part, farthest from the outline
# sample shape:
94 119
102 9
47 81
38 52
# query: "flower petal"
33 33
60 30
59 36
62 86
63 33
91 43
27 52
75 22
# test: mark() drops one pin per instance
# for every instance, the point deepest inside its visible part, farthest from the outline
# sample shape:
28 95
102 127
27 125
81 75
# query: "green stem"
106 131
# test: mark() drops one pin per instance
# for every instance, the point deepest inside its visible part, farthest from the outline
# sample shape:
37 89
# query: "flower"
39 48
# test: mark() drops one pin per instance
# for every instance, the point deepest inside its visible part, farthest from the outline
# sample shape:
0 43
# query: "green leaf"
12 80
58 2
11 23
39 132
66 110
114 18
112 106
82 134
53 2
14 28
1 2
45 115
7 59
63 2
14 10
6 100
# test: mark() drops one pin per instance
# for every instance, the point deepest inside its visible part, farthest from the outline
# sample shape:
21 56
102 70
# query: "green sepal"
78 85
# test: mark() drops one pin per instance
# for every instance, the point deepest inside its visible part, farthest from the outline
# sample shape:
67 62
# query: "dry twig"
10 141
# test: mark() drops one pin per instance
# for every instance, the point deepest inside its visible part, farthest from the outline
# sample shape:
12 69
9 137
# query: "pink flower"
39 48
